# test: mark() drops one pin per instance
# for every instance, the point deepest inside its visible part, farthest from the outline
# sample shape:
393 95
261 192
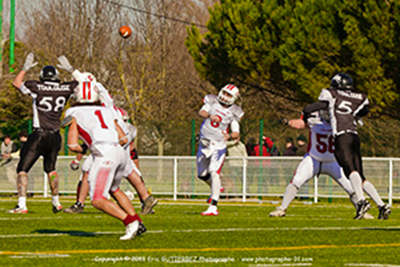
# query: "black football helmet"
49 73
342 81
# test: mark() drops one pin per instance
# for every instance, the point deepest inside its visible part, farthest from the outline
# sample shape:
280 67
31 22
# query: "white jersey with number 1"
96 127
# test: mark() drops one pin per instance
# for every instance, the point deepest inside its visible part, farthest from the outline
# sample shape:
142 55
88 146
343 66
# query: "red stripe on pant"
101 181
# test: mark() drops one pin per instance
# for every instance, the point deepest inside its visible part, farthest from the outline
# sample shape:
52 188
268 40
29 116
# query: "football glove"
29 62
283 121
74 165
306 116
64 64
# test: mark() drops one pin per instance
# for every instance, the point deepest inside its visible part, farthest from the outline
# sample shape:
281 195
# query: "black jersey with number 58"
49 99
343 107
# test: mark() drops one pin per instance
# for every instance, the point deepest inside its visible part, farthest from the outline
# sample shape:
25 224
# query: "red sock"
129 219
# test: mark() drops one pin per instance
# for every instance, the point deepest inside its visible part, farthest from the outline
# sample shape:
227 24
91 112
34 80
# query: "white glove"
74 165
29 62
64 64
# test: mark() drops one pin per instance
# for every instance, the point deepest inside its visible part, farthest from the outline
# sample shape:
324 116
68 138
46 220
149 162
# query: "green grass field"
242 235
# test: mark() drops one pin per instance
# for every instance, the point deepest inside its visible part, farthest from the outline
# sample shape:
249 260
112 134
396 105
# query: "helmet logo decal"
86 88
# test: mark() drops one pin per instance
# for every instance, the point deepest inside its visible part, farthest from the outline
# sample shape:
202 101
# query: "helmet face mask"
341 81
228 94
49 73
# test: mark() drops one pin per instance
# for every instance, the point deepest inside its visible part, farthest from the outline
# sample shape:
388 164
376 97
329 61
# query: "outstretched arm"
18 81
315 106
297 124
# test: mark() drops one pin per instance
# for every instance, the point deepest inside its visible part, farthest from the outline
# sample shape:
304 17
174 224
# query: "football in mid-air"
125 31
130 194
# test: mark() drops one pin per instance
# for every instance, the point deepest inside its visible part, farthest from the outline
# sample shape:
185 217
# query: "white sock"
215 186
55 200
22 202
372 193
356 182
289 195
353 198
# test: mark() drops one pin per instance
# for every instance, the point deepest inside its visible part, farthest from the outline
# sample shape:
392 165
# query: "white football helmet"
88 77
123 113
231 90
87 92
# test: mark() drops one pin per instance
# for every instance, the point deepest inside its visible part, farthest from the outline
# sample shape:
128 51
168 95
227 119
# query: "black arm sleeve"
315 106
364 111
312 108
84 148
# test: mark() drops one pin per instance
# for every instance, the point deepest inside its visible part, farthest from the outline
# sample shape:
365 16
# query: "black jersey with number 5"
343 107
49 99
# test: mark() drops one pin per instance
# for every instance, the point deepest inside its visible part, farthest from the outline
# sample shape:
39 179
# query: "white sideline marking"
35 255
371 265
284 264
82 233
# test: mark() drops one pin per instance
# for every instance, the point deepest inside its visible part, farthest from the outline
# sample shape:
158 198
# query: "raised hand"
64 64
29 62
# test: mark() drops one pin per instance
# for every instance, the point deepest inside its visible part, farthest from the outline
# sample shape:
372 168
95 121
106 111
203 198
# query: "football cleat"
130 230
142 229
362 207
148 205
57 209
279 212
384 212
17 209
211 211
76 208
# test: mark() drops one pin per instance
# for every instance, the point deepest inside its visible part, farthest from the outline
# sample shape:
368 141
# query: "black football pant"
348 155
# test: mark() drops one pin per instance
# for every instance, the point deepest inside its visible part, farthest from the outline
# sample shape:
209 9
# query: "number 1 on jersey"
100 116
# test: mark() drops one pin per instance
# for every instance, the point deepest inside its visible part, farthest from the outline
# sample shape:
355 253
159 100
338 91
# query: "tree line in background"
289 50
279 53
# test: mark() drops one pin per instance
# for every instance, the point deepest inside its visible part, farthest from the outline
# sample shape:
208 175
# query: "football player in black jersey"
346 107
49 99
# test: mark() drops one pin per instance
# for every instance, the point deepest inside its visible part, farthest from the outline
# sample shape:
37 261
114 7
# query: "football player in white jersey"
98 127
219 113
87 80
318 159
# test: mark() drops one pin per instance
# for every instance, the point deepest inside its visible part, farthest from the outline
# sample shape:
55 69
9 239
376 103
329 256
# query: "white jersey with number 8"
213 130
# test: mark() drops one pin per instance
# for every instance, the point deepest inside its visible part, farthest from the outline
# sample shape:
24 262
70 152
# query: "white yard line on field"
82 233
